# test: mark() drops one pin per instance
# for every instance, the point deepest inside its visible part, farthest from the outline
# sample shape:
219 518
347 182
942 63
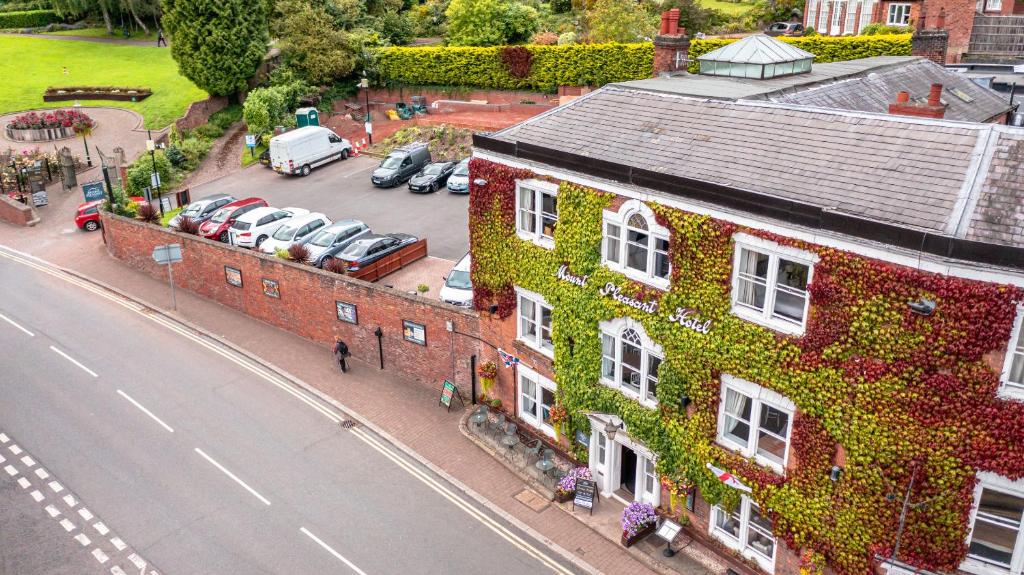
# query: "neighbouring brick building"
824 303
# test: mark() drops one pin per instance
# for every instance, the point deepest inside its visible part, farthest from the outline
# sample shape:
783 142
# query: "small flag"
508 359
728 478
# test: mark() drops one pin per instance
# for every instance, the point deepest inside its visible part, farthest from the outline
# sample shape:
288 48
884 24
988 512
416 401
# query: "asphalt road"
342 189
199 461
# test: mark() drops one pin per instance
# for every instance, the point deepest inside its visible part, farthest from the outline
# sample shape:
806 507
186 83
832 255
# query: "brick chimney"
671 45
933 108
931 43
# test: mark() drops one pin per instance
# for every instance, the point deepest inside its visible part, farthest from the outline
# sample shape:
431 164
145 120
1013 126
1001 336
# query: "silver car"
329 241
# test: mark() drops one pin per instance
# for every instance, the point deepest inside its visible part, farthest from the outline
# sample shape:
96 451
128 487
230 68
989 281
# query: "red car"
216 228
88 216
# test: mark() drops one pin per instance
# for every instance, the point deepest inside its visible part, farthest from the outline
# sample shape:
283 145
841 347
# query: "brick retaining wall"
306 306
199 112
16 212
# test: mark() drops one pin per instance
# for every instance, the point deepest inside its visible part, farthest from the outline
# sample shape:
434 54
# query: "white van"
301 150
457 289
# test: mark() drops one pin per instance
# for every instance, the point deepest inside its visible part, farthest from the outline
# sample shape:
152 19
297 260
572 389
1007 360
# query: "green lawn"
31 65
729 8
168 215
102 33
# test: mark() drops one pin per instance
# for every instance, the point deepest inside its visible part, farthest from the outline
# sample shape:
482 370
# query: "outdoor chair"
532 451
497 426
510 441
546 462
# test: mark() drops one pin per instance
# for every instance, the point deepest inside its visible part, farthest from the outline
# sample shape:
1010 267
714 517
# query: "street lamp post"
88 159
368 122
151 146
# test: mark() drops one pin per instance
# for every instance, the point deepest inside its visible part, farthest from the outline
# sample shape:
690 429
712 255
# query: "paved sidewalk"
407 411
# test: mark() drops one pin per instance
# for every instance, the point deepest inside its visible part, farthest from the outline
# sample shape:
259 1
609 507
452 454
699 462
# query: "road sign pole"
170 278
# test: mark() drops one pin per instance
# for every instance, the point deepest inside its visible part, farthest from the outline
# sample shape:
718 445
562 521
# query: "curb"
346 411
644 558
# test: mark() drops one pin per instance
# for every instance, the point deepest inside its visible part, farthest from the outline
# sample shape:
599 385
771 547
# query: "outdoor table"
510 441
479 417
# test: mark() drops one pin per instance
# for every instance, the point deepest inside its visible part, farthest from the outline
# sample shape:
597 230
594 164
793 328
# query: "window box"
537 211
1012 378
747 531
756 422
533 315
630 360
769 284
536 397
995 544
636 246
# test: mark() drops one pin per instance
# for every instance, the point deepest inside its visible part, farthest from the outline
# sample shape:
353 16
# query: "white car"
298 230
255 227
457 288
458 182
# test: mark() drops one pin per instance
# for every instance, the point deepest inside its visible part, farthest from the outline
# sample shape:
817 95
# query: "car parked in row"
253 228
329 241
298 230
432 177
216 228
457 288
202 209
400 165
785 29
458 182
372 247
87 217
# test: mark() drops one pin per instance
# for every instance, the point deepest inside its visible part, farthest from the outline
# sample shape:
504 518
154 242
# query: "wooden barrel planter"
96 93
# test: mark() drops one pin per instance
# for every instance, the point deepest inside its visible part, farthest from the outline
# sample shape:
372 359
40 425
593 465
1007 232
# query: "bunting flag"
507 358
728 478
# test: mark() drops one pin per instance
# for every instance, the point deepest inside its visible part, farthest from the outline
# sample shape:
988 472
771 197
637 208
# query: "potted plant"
558 416
488 372
566 489
638 521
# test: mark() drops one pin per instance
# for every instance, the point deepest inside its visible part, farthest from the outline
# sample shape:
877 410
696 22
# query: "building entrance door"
627 471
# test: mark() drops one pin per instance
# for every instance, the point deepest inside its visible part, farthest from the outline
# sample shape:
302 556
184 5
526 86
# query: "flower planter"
96 93
630 541
40 135
564 496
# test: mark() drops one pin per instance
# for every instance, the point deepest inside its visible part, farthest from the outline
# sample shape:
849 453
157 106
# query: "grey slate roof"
866 84
757 49
915 173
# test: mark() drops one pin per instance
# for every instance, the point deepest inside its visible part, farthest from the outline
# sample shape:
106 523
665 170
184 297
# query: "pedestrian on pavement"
340 353
160 37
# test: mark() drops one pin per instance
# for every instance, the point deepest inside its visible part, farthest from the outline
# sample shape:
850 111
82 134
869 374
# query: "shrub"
282 253
553 66
517 61
193 150
140 170
335 265
567 38
148 213
298 253
174 156
544 39
209 131
423 288
880 29
188 225
28 19
824 48
225 118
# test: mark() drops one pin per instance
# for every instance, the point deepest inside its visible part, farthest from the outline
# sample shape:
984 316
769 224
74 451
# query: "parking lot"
342 189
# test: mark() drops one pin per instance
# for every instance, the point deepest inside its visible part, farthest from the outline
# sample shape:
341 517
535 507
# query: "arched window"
636 245
630 360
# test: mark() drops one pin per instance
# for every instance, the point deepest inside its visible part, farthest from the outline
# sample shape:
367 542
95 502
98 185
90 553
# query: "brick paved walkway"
406 411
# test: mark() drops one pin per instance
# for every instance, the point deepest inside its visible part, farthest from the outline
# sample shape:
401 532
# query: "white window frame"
648 349
774 251
993 5
851 17
823 17
812 13
541 383
1007 388
893 10
742 543
655 232
534 342
540 189
999 483
866 13
759 396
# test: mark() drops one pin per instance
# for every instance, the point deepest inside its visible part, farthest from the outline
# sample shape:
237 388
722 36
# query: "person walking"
160 37
340 353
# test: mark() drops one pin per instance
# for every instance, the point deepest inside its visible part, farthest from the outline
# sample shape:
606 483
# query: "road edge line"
323 396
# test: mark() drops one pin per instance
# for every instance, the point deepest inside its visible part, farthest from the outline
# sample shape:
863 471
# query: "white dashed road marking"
100 555
11 470
85 514
139 562
67 525
53 511
15 449
233 476
83 539
37 496
332 551
24 483
117 543
146 411
15 324
70 500
28 461
4 438
42 473
116 570
74 361
100 528
56 487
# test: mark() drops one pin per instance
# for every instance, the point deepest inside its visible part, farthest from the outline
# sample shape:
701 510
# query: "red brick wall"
15 212
199 112
959 21
306 306
393 95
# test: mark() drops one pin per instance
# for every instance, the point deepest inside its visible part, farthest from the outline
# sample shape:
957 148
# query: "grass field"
729 8
102 33
33 64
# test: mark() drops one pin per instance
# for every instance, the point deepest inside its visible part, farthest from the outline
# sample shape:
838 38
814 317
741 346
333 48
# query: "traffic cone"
355 149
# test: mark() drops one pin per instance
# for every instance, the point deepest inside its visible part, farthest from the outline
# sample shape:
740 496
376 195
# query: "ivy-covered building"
826 304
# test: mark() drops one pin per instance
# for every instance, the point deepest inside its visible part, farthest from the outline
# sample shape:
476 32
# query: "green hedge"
824 48
28 19
553 66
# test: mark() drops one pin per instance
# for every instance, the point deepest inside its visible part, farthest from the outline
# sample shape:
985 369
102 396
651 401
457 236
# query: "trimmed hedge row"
824 48
28 19
552 66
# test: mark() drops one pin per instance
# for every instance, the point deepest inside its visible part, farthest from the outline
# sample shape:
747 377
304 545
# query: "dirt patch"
222 159
446 143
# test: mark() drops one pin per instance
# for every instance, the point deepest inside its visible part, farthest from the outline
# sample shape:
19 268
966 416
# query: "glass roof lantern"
759 57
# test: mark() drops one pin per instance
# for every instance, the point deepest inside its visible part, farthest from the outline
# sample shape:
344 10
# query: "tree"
218 44
619 21
520 21
311 44
263 109
694 17
476 22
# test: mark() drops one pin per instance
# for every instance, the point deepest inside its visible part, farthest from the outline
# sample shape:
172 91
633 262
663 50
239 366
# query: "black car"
265 158
432 178
372 247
